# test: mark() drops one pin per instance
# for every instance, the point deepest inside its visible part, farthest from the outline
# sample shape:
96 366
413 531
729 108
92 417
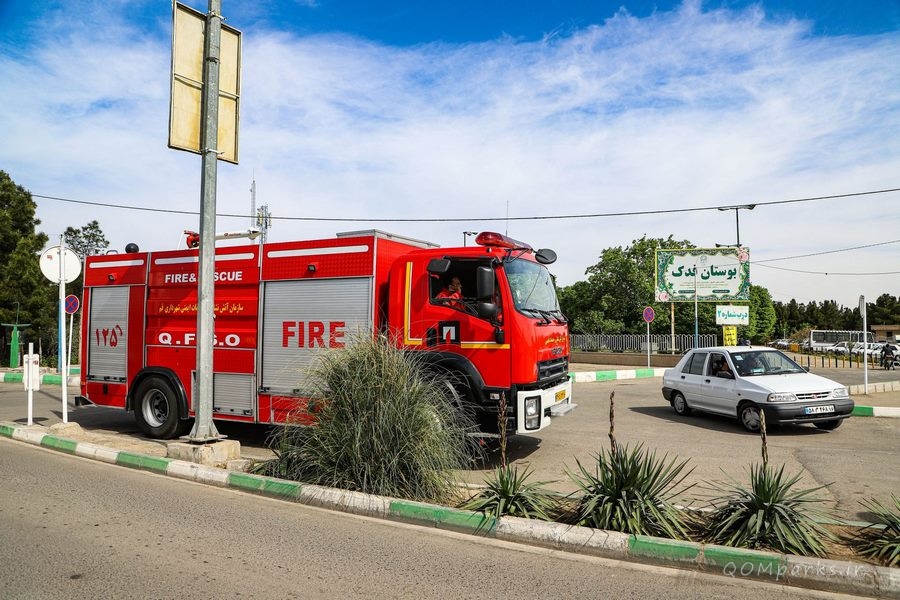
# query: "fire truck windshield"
532 288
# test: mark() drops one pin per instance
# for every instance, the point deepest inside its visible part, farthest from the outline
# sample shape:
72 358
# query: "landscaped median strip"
814 573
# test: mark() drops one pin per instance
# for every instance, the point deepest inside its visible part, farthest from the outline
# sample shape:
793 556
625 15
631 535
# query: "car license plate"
815 410
560 395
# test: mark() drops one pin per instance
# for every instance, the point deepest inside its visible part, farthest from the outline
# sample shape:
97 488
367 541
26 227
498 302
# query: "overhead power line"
471 219
756 264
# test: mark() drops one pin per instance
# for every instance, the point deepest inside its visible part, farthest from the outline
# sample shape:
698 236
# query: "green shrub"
508 492
632 491
770 514
880 540
385 425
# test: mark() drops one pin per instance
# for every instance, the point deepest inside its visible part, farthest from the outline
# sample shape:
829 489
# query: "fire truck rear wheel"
156 409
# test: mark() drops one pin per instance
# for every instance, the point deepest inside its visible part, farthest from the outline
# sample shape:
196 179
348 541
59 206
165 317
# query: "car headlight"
782 397
840 392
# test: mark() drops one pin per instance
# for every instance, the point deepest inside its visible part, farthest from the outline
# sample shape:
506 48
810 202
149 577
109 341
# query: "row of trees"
622 283
26 296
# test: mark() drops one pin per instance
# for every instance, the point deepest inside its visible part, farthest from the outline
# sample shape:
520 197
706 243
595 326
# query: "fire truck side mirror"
438 266
484 284
545 256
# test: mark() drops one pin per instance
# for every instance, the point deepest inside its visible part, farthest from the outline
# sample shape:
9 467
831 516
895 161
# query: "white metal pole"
648 344
28 375
62 330
865 337
71 329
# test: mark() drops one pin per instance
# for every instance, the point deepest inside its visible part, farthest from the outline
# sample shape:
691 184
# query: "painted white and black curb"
813 573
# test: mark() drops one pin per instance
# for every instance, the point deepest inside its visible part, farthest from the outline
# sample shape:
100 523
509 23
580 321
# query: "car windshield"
764 362
532 287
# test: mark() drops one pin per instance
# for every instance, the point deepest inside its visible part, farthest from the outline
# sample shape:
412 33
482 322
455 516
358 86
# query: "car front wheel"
680 404
748 414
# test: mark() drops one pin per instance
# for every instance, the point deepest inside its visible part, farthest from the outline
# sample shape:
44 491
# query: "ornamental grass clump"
385 425
633 491
880 540
770 514
509 493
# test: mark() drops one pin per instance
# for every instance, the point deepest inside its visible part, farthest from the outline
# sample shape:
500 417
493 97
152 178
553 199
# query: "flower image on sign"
704 274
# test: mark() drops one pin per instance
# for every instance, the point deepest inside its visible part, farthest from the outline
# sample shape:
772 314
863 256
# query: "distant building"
886 332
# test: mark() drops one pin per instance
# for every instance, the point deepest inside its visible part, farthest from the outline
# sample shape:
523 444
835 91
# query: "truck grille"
553 369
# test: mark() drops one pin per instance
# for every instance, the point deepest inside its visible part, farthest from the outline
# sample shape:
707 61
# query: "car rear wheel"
829 425
680 404
748 414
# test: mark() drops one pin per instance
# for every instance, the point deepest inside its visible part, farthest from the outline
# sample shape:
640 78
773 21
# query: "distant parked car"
840 348
739 382
783 344
873 348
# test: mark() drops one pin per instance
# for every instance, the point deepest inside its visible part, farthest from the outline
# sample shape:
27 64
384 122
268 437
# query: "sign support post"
649 315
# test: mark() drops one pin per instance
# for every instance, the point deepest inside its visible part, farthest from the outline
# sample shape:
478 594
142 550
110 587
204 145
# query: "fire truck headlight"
532 412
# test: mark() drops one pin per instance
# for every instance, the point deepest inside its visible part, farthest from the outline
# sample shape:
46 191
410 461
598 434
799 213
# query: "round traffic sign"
72 304
649 314
50 265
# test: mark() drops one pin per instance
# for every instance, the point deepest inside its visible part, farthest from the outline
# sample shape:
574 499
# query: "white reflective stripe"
317 251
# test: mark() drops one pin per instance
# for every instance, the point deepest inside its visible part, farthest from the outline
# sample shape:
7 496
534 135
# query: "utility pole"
204 429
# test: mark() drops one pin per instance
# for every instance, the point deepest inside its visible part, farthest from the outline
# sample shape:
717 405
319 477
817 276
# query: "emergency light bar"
497 240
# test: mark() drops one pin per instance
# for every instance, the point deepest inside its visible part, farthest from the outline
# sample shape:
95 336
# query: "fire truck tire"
156 409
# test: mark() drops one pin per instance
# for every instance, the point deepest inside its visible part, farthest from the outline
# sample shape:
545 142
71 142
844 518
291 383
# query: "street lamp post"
466 235
737 220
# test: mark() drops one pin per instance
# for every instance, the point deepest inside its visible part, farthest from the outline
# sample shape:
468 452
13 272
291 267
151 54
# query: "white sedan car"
739 381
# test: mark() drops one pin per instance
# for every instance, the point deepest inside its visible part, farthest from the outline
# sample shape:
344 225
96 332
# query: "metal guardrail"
659 343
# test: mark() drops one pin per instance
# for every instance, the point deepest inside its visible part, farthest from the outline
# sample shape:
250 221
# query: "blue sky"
486 110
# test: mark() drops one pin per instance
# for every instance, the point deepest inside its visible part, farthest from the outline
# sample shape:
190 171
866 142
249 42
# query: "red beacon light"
498 240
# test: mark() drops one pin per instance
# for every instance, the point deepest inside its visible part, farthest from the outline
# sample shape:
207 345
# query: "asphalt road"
75 528
858 460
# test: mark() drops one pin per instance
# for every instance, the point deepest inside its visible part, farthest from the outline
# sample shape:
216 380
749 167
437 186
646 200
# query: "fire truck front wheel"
156 409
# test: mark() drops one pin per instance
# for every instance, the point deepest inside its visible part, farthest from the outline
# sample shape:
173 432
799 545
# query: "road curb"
46 378
798 571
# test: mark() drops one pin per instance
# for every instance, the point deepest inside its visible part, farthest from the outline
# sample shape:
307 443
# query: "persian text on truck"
279 305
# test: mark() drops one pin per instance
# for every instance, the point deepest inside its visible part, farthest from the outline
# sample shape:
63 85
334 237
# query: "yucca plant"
880 540
509 493
770 514
384 425
633 491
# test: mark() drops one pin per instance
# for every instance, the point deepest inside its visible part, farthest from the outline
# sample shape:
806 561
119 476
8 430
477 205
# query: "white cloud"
680 109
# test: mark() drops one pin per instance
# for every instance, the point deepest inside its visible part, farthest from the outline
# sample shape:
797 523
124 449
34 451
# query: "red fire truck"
278 306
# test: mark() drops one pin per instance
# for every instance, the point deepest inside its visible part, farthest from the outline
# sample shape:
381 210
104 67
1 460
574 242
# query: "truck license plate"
814 410
560 395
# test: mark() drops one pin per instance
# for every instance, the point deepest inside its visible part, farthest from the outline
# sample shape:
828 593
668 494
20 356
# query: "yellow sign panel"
188 37
729 335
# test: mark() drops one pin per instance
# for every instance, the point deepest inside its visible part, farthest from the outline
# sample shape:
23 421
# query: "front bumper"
793 412
552 401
